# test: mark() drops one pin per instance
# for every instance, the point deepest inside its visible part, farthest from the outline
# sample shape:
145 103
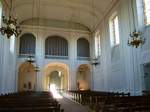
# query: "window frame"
54 50
145 13
97 44
1 13
112 26
85 55
22 48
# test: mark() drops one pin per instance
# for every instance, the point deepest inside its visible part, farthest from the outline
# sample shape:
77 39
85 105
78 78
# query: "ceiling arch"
85 12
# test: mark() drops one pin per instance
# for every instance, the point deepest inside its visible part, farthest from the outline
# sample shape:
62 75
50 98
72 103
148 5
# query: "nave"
72 106
74 101
96 52
38 102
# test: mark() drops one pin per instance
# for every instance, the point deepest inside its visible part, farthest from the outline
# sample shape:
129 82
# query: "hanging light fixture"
37 68
135 39
11 26
30 56
96 59
30 59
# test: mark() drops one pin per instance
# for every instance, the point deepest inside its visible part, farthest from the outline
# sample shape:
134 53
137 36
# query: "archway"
56 79
83 77
57 74
26 77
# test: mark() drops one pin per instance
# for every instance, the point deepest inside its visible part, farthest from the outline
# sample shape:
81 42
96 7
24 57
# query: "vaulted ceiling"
86 12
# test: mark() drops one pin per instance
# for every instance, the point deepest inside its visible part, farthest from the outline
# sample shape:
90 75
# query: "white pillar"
1 61
39 61
72 60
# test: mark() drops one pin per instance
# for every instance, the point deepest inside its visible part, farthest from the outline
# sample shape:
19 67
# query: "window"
27 44
83 50
114 30
97 45
147 11
56 47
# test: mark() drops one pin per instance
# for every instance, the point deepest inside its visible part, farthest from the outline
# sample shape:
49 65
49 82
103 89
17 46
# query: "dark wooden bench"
29 102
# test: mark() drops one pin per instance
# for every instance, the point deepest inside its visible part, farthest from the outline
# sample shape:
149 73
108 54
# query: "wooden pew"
29 102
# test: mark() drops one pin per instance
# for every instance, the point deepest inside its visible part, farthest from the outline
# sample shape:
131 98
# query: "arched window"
27 44
56 47
83 50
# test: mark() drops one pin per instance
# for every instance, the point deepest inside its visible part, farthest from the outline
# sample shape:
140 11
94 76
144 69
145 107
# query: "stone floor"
70 106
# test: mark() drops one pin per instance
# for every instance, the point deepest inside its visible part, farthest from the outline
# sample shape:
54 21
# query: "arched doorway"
26 77
83 77
56 74
56 79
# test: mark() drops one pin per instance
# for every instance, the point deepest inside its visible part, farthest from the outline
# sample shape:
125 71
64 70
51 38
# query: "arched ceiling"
86 12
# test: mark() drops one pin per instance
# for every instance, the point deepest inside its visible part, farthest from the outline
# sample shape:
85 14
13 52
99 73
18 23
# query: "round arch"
63 73
26 77
28 33
83 47
27 43
56 46
57 35
85 38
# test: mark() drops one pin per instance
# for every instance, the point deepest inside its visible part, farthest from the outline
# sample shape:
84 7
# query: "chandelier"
30 59
95 61
10 26
37 68
136 40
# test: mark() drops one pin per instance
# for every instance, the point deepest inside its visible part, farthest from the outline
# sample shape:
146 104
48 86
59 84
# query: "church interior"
74 56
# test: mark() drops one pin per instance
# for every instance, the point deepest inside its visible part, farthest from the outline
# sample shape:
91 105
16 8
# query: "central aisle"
71 106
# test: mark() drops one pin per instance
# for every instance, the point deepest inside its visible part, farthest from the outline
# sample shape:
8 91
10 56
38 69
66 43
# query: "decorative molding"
54 29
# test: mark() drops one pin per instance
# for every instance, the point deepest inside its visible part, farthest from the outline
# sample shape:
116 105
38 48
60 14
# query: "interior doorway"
26 77
55 79
56 75
83 77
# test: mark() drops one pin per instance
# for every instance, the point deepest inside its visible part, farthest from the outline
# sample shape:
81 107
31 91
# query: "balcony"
83 58
56 57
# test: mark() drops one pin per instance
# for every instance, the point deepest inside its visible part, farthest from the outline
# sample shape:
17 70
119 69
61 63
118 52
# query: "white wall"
119 68
8 65
41 33
145 49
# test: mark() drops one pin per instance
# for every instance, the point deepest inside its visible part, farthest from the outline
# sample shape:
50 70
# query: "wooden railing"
112 101
86 97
